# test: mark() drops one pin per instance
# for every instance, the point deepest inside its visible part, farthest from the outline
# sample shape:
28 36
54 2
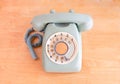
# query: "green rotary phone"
61 40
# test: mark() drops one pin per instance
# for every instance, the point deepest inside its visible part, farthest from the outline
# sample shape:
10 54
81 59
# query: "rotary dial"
61 48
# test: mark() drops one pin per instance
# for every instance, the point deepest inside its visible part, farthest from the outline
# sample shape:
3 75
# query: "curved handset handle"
83 22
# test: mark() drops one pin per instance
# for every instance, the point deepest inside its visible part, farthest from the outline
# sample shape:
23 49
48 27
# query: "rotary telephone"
61 40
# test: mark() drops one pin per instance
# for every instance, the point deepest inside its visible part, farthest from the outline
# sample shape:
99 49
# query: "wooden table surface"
101 45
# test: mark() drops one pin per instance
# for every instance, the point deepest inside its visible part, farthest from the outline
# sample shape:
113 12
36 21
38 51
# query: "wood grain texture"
101 45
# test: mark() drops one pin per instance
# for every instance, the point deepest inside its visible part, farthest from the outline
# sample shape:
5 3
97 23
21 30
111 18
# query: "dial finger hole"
62 59
60 38
56 58
67 35
56 39
53 41
55 35
65 39
53 54
51 46
51 50
69 42
71 39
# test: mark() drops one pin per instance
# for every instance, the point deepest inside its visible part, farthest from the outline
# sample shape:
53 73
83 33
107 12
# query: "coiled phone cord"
29 37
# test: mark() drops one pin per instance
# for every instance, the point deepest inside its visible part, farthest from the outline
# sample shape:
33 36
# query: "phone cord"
29 37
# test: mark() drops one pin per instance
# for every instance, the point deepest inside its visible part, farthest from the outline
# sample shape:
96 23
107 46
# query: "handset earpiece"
86 24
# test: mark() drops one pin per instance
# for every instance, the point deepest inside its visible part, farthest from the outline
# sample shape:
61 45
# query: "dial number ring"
68 48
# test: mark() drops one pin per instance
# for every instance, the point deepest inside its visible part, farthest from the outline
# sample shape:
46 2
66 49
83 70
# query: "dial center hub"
61 48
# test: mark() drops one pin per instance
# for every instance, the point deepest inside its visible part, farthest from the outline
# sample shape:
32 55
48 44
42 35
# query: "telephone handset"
82 21
61 40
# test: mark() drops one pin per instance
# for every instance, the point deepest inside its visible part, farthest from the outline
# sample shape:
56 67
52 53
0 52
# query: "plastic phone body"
62 43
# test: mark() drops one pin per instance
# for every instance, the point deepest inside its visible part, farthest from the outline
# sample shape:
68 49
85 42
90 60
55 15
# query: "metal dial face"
61 48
